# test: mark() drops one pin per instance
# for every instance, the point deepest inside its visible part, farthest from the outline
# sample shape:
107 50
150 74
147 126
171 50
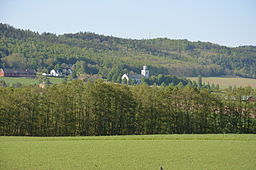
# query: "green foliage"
165 80
3 83
80 67
15 60
115 73
73 75
200 81
17 85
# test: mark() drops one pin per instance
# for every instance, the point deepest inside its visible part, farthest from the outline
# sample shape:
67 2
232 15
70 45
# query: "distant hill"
111 56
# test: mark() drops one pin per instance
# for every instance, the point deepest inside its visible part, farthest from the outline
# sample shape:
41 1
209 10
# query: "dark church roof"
135 76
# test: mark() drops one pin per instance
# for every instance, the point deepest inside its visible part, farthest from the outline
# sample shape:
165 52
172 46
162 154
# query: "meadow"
28 81
226 82
222 151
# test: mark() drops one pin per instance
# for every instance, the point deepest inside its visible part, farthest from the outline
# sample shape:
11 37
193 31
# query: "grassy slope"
28 81
226 82
129 152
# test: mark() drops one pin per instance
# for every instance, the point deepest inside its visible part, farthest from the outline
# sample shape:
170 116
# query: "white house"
136 77
54 73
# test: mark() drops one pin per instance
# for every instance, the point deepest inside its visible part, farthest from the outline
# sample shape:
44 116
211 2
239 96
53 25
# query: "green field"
130 152
28 81
226 82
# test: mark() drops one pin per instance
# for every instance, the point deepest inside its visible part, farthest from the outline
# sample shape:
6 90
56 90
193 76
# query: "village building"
54 73
136 77
17 73
57 73
129 77
248 98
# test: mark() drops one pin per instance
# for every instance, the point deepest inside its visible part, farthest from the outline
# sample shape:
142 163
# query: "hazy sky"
226 22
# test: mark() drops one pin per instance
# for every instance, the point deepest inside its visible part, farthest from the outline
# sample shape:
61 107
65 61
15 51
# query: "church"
137 77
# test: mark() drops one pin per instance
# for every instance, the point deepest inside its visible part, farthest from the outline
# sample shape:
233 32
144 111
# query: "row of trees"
100 108
166 80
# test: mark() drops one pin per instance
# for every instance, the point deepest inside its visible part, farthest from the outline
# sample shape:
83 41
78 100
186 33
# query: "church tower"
145 72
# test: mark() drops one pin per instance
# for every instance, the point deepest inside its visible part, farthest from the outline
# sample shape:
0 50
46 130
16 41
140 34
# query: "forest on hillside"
103 108
107 56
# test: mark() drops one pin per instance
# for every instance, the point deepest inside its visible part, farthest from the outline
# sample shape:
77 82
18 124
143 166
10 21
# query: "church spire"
145 72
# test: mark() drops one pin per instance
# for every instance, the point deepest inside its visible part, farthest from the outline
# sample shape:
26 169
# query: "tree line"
102 108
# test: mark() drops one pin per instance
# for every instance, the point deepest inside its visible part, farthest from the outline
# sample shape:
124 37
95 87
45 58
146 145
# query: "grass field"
225 82
130 152
28 81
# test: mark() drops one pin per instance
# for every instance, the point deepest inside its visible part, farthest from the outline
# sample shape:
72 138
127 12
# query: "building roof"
20 71
135 76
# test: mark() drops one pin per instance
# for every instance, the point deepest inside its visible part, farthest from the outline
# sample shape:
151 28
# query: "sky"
225 22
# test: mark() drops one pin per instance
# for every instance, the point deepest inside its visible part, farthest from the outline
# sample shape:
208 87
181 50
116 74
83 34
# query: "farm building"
17 73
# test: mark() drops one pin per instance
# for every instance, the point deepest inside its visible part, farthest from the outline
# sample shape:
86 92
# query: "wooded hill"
111 57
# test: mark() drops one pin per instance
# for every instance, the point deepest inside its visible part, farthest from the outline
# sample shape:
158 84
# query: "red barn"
1 73
17 73
251 99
